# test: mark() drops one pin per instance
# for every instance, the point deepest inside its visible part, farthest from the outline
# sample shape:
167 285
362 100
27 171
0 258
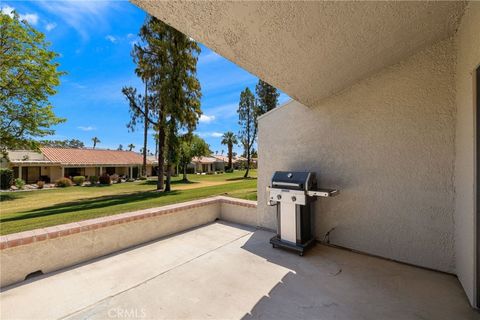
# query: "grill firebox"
293 194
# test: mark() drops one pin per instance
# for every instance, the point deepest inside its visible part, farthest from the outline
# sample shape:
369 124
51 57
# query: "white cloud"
206 119
208 57
223 111
111 38
31 18
213 134
89 128
50 26
83 16
8 11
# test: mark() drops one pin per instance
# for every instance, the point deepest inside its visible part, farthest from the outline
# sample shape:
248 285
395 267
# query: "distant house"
207 164
50 164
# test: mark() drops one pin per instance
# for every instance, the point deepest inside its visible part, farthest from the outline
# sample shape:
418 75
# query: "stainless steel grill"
293 194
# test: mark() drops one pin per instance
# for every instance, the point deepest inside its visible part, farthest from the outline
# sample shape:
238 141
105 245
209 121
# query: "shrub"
142 178
63 183
40 184
119 180
229 170
93 180
130 180
104 179
6 178
114 177
79 180
19 183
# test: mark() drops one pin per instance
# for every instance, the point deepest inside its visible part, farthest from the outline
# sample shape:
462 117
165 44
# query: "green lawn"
20 211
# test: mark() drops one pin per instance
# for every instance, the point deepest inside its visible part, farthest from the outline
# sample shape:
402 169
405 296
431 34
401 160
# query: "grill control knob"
279 197
294 198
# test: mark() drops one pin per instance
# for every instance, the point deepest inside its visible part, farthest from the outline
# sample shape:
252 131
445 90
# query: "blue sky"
94 40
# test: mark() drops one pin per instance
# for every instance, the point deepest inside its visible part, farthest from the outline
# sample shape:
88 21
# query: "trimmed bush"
79 180
93 180
142 178
19 183
63 183
40 184
229 170
130 180
6 178
105 179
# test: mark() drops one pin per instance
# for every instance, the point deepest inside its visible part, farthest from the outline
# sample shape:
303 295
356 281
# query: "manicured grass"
22 211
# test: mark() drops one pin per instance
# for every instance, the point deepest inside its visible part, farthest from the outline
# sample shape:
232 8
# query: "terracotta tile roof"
91 156
204 160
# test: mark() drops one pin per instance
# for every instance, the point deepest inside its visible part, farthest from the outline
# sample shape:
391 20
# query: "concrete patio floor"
226 271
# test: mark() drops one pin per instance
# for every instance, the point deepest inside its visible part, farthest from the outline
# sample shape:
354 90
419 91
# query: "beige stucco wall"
111 234
387 143
467 43
55 254
90 171
240 214
55 173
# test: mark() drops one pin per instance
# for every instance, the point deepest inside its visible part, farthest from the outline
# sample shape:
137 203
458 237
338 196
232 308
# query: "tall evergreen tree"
183 87
247 119
174 103
267 96
28 77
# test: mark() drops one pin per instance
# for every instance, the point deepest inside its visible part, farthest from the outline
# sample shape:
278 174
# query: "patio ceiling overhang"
311 50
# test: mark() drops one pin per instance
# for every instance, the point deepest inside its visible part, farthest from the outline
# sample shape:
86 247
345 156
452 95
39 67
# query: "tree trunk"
248 164
156 148
185 179
169 177
230 147
161 145
145 134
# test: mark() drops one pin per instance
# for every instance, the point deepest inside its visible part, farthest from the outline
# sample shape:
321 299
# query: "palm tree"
229 139
95 141
131 146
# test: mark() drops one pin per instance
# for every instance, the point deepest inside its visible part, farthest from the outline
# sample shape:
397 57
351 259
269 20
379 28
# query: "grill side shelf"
323 193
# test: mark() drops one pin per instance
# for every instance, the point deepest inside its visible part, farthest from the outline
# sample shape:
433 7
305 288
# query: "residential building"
206 164
51 164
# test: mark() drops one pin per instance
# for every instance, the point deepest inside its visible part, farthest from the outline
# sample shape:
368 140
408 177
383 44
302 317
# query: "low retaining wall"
54 248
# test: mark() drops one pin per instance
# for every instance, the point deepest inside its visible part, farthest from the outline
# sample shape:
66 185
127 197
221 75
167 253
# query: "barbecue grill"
293 194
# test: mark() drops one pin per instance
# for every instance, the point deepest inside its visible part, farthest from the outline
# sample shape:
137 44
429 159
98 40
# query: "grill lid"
294 180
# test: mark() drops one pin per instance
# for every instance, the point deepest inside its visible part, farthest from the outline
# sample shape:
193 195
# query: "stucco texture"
467 42
387 143
311 49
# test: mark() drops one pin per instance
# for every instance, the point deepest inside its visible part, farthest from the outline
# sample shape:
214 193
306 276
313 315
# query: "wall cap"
42 234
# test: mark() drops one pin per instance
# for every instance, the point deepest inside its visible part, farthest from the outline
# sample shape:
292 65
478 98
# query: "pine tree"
173 93
267 97
247 119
